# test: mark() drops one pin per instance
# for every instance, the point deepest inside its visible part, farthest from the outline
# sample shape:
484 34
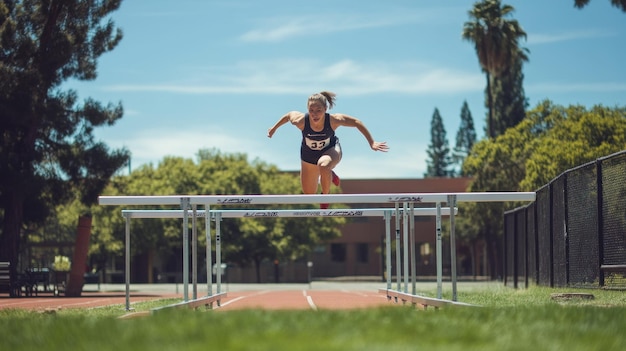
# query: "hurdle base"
206 301
422 301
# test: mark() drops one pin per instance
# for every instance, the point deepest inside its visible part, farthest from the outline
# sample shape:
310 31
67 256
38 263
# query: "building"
360 249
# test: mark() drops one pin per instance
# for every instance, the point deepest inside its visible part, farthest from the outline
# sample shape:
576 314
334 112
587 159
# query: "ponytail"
325 97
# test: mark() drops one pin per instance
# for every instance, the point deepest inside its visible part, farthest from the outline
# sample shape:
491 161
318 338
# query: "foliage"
621 4
578 136
510 102
61 263
465 138
245 241
48 147
550 140
496 40
439 162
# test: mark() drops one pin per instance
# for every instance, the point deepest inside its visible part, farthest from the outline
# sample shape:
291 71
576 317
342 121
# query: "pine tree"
465 139
48 151
439 161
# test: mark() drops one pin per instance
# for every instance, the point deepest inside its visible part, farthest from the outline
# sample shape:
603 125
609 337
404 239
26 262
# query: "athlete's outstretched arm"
339 119
295 117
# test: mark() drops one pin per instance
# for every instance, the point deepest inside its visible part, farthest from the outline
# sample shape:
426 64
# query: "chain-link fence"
574 234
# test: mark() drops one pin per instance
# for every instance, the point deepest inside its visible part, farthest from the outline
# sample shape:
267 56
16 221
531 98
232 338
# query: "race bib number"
317 144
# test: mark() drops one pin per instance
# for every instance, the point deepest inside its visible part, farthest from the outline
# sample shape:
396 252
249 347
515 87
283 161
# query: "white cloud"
292 76
152 145
279 29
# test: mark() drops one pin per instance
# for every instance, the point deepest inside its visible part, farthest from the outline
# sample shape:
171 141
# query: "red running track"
47 302
258 299
302 299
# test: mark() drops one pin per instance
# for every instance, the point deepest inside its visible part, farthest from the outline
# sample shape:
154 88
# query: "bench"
7 284
37 277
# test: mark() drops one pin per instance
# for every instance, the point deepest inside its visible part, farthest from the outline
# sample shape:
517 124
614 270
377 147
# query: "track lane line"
241 298
309 300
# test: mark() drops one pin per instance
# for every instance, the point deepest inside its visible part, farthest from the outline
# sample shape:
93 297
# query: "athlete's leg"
326 163
335 178
309 174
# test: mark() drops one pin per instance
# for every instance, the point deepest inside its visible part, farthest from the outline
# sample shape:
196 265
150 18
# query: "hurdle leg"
398 255
184 203
218 253
209 255
439 252
452 205
388 247
405 230
127 263
194 251
412 240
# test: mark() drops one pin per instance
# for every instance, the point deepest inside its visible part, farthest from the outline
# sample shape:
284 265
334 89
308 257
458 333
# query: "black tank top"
318 141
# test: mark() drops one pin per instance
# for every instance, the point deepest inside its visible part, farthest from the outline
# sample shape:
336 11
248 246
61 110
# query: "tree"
549 141
510 100
578 135
252 240
465 138
47 144
246 241
496 41
621 4
439 161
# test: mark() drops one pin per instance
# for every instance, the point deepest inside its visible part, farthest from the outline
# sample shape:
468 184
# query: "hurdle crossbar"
349 212
313 199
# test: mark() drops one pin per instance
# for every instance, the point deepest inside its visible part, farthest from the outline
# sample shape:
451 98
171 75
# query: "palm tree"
621 4
496 40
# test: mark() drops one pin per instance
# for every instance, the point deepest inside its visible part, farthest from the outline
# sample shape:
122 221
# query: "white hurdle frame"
217 215
185 201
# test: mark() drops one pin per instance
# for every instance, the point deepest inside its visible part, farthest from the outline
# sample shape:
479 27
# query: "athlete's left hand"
380 146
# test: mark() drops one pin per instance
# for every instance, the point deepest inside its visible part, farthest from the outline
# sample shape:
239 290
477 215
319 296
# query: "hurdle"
217 215
407 199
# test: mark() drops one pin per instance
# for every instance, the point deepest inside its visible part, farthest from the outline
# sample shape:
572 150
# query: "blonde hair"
326 98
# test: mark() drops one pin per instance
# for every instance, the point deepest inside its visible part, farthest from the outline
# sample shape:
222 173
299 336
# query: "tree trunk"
472 251
498 258
79 260
490 133
490 259
257 268
491 243
13 216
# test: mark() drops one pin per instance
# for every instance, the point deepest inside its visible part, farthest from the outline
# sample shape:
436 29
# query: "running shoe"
335 178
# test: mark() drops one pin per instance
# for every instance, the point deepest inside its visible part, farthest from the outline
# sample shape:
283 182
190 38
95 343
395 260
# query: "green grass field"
507 319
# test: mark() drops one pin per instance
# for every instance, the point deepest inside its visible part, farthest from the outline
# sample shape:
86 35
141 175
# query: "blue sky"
195 74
